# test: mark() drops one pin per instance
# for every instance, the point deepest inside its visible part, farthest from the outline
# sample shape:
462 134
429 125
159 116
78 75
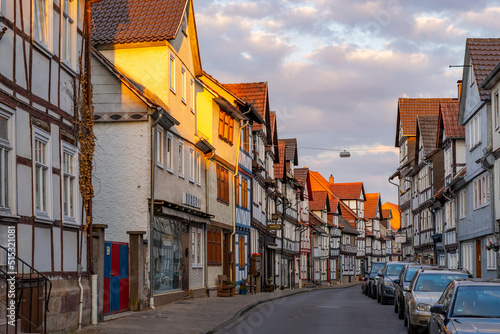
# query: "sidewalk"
200 315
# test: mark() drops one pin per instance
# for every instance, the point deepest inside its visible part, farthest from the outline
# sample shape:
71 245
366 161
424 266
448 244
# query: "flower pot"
243 292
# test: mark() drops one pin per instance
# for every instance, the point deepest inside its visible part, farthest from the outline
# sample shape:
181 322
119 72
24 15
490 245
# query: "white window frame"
160 142
491 255
468 256
197 247
198 169
192 169
193 97
44 38
496 109
183 85
481 188
172 73
45 210
181 159
475 131
72 195
463 204
68 34
7 163
170 152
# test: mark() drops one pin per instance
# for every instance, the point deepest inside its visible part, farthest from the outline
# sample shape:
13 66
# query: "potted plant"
493 246
243 289
232 287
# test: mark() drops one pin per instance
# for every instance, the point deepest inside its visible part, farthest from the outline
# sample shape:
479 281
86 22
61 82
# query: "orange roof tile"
396 214
386 213
279 167
255 93
449 118
368 233
371 205
347 191
485 56
409 109
133 21
319 202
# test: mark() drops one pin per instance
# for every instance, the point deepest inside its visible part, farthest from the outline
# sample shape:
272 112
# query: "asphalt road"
320 311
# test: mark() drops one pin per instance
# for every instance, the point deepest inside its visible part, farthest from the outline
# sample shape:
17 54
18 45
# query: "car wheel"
411 329
395 306
383 300
401 314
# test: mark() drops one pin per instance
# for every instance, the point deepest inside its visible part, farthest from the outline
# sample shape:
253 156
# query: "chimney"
459 84
331 180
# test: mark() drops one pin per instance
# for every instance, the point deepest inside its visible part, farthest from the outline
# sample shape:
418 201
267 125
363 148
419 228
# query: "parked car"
424 291
385 281
467 306
370 277
402 283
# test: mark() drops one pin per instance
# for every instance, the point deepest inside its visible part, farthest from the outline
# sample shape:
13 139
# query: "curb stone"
254 304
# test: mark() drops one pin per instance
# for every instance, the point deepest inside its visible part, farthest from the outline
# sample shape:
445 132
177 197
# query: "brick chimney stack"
331 180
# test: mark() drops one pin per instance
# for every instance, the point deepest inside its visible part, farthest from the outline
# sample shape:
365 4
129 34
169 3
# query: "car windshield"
435 282
394 269
376 267
477 301
410 273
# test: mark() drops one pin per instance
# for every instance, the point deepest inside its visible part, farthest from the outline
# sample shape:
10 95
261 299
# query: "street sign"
400 238
274 227
275 216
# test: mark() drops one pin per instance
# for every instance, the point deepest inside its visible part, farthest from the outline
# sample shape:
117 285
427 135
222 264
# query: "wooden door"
226 256
478 258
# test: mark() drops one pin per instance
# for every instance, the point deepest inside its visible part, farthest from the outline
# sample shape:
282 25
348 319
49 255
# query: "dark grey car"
385 281
467 306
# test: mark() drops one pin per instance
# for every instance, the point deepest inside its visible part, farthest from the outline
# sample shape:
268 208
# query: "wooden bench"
225 289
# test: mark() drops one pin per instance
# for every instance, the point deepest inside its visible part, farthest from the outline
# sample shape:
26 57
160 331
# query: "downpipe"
80 306
94 299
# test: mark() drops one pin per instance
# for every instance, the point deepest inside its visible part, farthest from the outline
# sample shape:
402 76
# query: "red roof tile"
386 213
254 93
449 117
319 202
372 203
428 131
409 109
347 191
485 56
368 233
279 166
133 21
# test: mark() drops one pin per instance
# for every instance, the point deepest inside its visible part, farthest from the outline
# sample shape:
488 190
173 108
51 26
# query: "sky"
336 68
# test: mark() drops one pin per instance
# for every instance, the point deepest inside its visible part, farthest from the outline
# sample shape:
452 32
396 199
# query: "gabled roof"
348 191
255 93
396 214
448 121
485 56
346 226
386 214
320 201
302 175
410 108
291 150
427 127
279 166
372 203
368 233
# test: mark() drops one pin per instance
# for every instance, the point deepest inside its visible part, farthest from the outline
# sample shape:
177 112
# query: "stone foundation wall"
64 305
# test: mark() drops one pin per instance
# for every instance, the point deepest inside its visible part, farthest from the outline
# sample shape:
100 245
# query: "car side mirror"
438 308
380 274
407 289
396 281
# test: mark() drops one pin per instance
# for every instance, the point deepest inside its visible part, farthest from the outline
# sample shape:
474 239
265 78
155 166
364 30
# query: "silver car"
424 291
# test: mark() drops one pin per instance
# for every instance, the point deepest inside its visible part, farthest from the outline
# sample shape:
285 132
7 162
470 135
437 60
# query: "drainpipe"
234 197
152 206
208 210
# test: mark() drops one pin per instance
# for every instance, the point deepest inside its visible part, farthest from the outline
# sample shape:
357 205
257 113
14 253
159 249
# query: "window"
192 168
244 193
5 152
169 153
241 251
214 257
452 261
467 256
226 127
197 247
172 73
497 110
482 191
181 158
193 97
474 131
159 146
491 255
68 32
222 184
41 171
256 190
183 85
42 21
463 203
69 186
245 139
198 169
